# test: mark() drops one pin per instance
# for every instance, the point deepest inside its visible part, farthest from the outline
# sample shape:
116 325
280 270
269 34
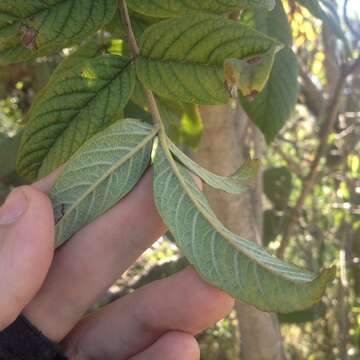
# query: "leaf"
182 121
250 75
302 317
327 12
278 186
40 27
173 8
100 173
186 64
234 184
274 105
8 148
139 23
78 101
272 225
239 267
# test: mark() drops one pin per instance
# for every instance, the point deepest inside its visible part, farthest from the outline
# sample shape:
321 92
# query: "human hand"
54 290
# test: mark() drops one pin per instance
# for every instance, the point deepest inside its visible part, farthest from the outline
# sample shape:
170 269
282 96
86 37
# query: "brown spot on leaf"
252 96
254 61
29 36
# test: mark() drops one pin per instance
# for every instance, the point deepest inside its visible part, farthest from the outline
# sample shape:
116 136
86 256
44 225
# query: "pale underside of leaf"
234 184
35 28
173 8
239 267
77 103
186 64
100 173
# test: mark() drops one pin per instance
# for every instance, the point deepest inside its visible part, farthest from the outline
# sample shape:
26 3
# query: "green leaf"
250 75
40 27
8 148
239 267
139 23
182 121
326 11
99 174
174 8
272 225
234 184
278 186
186 64
274 105
79 101
302 317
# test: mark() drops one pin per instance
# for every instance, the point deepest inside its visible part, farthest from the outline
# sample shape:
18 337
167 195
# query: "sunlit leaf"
173 8
81 98
187 63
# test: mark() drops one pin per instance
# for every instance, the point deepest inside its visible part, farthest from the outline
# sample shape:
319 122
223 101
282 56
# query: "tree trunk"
222 150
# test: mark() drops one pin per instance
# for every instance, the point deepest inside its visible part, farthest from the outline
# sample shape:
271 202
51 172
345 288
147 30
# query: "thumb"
26 249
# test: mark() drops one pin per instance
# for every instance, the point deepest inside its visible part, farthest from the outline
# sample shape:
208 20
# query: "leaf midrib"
176 171
111 170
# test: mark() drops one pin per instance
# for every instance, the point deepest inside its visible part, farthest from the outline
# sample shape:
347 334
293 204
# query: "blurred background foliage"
328 223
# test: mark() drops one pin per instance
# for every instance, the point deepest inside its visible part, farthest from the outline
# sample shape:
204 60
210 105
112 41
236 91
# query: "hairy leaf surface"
239 267
187 63
234 184
80 99
173 8
40 27
273 106
100 173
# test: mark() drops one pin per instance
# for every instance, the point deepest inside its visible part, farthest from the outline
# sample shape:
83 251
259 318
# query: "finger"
45 184
26 249
174 345
182 302
85 267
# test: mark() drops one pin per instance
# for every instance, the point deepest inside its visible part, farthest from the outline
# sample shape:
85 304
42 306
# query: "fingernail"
15 206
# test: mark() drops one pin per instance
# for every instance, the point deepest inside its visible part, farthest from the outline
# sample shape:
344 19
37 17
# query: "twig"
314 174
292 165
153 108
313 97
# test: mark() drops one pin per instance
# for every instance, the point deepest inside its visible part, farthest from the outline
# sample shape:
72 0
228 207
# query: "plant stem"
153 108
